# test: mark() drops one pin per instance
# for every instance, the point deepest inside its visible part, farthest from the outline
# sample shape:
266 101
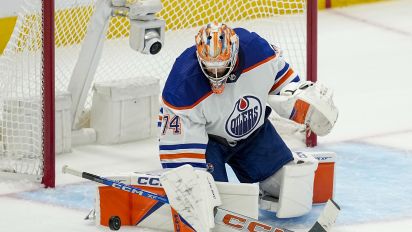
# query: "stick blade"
328 217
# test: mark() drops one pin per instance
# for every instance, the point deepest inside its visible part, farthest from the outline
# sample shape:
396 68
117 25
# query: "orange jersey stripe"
187 107
183 155
282 80
258 64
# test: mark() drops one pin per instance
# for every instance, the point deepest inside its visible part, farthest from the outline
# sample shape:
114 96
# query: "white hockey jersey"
191 111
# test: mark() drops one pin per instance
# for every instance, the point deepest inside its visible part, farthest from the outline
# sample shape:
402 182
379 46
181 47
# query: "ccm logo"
152 181
323 158
127 188
242 223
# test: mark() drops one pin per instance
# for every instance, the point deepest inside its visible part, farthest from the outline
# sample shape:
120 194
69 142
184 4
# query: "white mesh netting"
281 22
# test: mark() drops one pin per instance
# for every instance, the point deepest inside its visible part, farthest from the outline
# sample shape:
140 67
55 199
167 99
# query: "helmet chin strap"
218 86
218 90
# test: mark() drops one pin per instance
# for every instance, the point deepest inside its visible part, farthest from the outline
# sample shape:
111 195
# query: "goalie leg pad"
296 187
271 185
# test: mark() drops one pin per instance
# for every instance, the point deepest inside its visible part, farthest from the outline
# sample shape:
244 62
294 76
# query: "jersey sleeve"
183 138
284 74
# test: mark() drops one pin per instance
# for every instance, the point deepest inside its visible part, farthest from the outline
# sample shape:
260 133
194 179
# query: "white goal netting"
282 22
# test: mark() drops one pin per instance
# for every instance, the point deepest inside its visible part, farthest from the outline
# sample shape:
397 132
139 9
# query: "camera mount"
146 31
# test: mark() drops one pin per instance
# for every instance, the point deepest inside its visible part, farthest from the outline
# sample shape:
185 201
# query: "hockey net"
281 22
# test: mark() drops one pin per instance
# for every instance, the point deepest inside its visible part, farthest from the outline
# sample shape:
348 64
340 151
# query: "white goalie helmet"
217 47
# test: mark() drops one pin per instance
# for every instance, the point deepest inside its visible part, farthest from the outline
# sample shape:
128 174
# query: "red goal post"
54 30
312 54
48 178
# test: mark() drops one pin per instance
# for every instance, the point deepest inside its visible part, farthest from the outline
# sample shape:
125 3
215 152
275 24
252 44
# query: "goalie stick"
230 220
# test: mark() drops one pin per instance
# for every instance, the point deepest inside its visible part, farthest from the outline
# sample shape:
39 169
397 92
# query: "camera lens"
155 48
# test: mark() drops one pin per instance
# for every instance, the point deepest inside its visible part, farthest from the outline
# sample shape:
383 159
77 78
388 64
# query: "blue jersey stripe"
183 146
176 165
283 71
296 79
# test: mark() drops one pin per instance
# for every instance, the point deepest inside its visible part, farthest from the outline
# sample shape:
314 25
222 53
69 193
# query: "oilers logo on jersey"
244 117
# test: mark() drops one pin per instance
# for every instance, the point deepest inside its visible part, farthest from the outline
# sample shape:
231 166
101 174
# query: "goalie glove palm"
307 103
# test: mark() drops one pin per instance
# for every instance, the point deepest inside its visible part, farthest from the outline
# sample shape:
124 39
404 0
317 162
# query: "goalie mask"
217 48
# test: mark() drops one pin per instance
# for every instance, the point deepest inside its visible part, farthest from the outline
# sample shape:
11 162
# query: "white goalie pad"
307 103
193 194
296 188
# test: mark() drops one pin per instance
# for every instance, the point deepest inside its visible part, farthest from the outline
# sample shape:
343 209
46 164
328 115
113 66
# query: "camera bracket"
146 31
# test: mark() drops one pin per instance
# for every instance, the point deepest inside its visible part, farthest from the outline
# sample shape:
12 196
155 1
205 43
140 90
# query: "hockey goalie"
215 108
216 103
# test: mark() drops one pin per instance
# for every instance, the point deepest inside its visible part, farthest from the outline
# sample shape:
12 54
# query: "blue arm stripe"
183 146
296 79
283 71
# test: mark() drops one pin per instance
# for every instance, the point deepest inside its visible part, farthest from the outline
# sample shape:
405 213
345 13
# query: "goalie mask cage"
42 52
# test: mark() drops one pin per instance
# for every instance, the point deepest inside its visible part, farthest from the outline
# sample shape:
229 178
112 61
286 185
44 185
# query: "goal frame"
311 55
48 73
